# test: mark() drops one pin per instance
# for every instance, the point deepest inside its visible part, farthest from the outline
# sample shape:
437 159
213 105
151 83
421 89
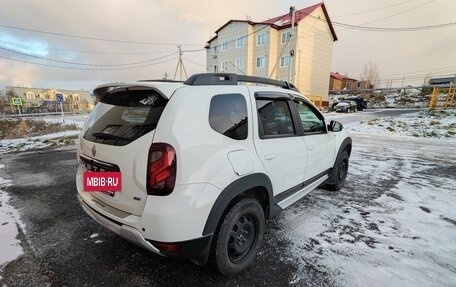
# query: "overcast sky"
162 24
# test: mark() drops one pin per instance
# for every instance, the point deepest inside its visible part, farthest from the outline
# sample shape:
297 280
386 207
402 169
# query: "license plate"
106 181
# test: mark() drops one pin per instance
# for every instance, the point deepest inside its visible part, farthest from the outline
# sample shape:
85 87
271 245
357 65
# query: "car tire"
238 237
339 173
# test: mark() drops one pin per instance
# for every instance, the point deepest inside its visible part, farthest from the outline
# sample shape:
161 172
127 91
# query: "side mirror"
335 126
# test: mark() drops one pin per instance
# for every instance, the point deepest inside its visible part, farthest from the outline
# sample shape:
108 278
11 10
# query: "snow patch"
432 124
9 221
43 141
394 222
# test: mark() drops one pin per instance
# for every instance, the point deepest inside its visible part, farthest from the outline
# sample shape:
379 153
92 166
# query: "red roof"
338 76
284 21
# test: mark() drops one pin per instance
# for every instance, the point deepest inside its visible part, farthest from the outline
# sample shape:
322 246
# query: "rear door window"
123 116
228 115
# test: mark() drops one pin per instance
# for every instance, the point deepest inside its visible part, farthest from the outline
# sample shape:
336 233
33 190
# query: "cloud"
32 46
194 22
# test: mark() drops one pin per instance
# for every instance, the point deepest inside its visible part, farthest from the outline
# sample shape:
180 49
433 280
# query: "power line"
81 51
85 64
94 38
87 69
193 62
423 71
372 10
393 29
401 12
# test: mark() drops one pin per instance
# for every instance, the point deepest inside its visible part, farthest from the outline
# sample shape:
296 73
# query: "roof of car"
168 87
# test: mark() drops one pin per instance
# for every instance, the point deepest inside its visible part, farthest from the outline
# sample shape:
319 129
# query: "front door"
319 143
278 144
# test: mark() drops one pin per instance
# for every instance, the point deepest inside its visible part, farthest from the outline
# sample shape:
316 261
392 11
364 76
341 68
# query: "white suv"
204 163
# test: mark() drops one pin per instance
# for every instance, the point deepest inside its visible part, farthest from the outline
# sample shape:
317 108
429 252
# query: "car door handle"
311 147
270 156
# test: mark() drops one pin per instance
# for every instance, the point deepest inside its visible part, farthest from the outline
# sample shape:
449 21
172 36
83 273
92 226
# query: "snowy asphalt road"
393 224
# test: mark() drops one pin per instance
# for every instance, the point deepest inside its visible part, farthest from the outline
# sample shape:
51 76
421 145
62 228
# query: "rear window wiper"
106 136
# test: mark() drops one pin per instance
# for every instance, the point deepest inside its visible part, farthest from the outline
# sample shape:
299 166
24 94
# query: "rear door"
277 142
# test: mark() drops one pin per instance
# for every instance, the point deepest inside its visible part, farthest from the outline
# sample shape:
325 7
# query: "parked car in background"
346 107
361 103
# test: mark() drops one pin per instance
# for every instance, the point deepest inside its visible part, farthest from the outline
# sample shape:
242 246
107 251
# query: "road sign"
16 101
59 98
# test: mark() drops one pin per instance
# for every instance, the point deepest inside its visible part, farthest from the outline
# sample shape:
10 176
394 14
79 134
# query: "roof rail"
161 80
234 79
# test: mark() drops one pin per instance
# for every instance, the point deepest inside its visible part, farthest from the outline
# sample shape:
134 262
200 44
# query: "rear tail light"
161 169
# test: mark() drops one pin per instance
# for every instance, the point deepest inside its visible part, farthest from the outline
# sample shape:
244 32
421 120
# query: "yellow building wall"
313 55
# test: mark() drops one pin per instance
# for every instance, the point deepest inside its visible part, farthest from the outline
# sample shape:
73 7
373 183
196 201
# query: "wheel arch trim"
233 190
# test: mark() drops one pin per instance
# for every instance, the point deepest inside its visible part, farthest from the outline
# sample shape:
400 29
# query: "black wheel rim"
343 170
242 237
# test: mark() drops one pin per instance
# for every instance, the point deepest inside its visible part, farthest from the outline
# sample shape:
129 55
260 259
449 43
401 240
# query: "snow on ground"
434 124
44 141
393 224
76 120
9 221
409 98
32 143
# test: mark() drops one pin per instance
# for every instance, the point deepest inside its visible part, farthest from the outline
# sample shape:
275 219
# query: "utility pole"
292 44
180 65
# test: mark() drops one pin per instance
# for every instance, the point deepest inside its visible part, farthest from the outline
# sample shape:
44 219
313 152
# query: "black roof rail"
161 80
233 79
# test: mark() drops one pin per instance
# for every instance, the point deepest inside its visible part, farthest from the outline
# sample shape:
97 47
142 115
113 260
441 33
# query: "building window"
261 39
260 61
285 37
240 63
224 66
240 42
76 97
214 50
224 46
284 61
30 96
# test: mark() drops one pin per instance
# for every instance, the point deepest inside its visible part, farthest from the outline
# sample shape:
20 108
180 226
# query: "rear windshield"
123 116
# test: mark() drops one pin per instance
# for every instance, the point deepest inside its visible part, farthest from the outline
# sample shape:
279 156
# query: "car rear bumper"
125 231
197 248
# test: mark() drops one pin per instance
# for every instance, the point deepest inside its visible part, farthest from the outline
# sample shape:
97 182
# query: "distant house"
338 82
263 49
42 100
363 85
446 81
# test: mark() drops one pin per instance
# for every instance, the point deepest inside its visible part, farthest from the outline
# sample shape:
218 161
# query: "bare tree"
370 73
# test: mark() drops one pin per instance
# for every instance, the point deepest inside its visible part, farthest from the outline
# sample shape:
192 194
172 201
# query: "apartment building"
264 48
45 100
